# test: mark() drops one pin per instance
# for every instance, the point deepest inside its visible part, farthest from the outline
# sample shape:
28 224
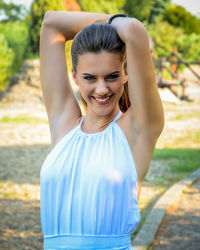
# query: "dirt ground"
23 148
180 228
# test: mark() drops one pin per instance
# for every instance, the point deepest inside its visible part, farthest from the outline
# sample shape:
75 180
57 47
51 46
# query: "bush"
6 62
179 17
14 38
189 47
16 34
166 37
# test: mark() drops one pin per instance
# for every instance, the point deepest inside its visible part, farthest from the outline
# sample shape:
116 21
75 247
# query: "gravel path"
180 228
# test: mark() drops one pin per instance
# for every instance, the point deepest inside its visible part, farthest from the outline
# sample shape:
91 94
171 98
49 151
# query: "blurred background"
174 26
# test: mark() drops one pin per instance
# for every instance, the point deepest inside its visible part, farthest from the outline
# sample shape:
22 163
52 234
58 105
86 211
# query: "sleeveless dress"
88 191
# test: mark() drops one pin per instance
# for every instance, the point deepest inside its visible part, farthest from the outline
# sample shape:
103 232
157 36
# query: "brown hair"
95 38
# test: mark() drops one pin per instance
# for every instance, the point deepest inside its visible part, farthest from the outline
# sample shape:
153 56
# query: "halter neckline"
97 133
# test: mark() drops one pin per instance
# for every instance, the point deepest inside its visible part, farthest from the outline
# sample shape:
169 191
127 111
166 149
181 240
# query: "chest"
89 160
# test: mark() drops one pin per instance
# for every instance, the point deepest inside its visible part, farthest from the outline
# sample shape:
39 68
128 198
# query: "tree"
102 6
11 11
179 17
38 9
139 9
157 9
165 37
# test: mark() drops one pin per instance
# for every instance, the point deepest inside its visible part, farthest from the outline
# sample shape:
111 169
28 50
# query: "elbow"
135 31
48 18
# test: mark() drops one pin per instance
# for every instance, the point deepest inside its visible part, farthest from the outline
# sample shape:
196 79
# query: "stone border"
149 229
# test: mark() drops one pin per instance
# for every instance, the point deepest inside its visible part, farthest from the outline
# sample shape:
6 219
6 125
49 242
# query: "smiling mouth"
102 100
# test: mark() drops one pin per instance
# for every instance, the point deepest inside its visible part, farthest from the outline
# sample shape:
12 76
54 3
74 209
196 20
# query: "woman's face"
101 78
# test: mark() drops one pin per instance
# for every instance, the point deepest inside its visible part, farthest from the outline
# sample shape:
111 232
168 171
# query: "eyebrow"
106 75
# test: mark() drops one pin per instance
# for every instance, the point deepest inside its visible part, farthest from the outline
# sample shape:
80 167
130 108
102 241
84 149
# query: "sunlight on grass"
184 116
191 137
188 138
22 119
188 160
13 190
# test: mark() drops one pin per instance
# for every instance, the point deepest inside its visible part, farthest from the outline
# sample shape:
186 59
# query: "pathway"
180 228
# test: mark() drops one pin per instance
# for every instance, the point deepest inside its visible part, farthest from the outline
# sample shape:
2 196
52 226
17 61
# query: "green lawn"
188 159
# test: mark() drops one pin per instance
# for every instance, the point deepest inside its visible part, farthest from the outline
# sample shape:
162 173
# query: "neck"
94 122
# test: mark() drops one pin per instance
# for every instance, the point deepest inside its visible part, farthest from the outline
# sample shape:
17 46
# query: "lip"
102 103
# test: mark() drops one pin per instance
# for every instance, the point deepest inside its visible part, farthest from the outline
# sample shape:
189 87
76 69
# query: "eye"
89 78
112 77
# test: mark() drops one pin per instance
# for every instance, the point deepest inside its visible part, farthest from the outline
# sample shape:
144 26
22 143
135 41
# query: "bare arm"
60 102
143 90
146 111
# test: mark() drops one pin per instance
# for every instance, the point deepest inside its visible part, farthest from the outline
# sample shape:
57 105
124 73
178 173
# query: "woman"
91 179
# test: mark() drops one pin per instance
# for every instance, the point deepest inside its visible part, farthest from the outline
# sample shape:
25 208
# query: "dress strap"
82 121
117 116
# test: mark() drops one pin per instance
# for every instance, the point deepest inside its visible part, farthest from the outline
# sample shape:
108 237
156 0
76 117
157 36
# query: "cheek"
85 89
117 87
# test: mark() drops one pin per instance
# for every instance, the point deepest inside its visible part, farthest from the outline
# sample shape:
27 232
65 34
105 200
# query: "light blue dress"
88 191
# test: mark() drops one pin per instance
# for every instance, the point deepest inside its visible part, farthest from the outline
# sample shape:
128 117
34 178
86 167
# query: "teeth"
102 100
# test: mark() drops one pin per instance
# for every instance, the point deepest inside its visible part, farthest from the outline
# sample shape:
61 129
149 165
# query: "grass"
22 119
187 159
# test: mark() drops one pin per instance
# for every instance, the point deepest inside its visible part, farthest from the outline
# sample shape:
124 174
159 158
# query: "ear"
125 75
74 76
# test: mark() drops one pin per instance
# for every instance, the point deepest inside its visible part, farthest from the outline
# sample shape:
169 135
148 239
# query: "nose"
101 88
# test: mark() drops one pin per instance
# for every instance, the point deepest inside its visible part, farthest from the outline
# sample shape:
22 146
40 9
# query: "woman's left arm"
145 116
145 100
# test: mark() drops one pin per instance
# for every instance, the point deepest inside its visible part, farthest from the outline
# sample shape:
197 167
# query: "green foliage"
139 9
157 9
189 47
166 37
14 37
7 56
102 6
38 9
187 159
146 10
16 34
179 17
11 11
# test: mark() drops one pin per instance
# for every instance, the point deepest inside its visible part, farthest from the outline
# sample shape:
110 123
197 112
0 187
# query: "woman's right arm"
61 105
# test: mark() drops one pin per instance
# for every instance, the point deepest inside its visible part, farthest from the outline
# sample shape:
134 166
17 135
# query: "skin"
100 75
142 123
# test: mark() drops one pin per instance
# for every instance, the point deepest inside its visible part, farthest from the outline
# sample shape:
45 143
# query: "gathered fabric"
88 191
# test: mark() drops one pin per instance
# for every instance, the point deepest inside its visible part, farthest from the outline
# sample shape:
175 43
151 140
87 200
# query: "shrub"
6 62
16 34
13 42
